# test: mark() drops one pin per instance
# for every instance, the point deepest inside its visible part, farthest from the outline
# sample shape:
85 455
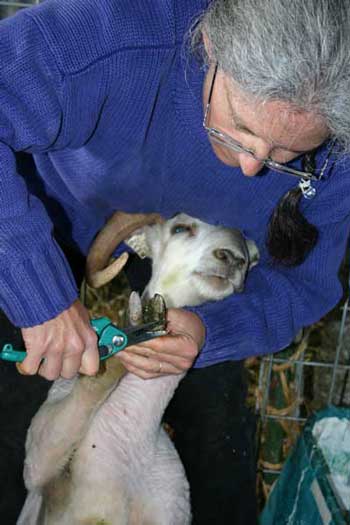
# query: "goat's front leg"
63 419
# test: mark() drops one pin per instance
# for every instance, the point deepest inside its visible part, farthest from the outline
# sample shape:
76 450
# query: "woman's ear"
207 45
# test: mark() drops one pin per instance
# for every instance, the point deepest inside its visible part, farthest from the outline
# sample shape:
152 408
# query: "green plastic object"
110 339
8 353
314 485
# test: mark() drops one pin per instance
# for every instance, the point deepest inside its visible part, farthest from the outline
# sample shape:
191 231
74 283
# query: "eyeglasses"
225 140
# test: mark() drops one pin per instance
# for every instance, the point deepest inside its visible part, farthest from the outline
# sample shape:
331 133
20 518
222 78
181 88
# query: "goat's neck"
138 406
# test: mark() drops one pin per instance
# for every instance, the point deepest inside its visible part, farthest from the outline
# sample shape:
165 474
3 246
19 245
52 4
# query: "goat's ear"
253 253
138 242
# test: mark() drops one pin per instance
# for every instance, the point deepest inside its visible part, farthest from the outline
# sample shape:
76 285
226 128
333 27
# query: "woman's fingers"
31 363
177 351
90 361
51 366
169 354
147 367
61 346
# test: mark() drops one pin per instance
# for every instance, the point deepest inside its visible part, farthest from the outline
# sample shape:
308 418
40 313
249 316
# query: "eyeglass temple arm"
207 107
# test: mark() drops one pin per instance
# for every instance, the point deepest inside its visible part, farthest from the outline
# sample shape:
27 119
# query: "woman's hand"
61 346
169 354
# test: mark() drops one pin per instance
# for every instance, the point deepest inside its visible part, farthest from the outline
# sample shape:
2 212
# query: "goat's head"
192 261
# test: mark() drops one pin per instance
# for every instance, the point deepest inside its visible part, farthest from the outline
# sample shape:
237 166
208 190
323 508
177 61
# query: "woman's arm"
277 302
37 288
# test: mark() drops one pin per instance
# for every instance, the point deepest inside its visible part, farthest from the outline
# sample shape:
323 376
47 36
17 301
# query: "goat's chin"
213 287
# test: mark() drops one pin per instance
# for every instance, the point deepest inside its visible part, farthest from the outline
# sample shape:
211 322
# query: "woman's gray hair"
292 50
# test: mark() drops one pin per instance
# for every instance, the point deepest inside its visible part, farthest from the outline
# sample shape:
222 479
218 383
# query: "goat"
96 453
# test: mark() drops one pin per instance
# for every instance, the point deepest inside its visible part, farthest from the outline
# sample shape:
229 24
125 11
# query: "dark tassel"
290 236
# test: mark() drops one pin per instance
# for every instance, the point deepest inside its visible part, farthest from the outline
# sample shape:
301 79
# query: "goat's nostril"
222 255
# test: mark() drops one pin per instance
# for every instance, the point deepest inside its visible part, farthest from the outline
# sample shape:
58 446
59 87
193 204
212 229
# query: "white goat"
97 454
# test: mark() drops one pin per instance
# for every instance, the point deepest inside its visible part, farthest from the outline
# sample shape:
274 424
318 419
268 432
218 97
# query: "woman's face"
272 129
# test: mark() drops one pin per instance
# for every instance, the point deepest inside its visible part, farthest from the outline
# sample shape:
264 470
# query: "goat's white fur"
185 267
97 453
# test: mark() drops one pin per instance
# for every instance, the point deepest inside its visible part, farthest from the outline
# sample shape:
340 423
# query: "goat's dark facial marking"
227 256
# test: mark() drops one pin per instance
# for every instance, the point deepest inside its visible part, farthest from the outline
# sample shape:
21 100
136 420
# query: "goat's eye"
181 228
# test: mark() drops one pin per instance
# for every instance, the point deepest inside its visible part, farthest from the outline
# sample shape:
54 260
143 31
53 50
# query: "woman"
110 102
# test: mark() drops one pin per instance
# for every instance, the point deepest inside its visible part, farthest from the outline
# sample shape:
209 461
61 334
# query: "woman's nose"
250 165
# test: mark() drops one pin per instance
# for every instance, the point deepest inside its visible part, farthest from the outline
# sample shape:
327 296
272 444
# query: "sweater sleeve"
59 71
35 280
277 302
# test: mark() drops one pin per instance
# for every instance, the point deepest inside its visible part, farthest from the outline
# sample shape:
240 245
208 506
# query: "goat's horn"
118 228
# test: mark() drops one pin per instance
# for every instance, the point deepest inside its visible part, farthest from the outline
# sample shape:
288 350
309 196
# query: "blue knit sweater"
107 98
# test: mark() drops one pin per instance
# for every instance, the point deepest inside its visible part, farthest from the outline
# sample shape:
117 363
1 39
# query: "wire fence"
314 372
